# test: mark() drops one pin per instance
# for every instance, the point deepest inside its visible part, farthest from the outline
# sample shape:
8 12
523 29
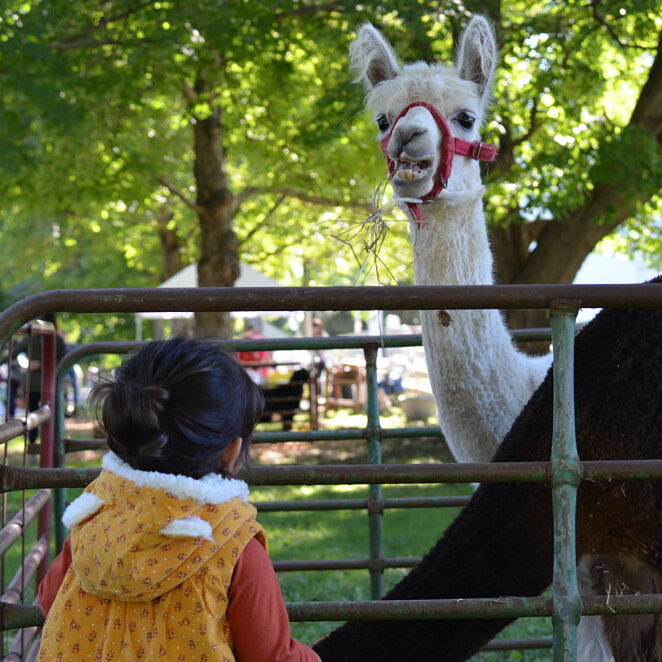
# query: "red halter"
450 145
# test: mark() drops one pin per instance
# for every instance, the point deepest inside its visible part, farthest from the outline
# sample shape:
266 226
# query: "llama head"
460 94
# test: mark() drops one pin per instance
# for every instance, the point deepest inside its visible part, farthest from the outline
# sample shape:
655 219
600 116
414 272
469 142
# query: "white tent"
249 277
188 277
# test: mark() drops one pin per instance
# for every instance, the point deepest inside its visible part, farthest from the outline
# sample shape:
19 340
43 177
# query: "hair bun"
131 417
157 393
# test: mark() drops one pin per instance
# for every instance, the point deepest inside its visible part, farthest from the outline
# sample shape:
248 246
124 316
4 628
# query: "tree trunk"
219 262
562 245
171 244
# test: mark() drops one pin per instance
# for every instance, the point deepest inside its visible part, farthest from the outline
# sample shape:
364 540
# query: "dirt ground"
354 451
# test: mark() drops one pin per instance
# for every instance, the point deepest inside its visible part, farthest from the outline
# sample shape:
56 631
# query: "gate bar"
360 504
18 616
375 495
566 473
405 297
347 434
18 478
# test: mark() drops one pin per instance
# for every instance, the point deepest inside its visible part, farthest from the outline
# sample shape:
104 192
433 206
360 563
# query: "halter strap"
450 145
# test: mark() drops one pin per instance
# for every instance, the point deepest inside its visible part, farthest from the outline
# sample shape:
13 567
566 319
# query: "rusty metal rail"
412 297
19 478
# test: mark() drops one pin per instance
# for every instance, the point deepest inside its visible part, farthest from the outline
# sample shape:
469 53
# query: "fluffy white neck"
480 381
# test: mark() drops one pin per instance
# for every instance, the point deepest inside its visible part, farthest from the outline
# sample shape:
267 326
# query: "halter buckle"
475 150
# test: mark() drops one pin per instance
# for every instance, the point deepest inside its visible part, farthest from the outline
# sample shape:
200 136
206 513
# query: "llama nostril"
407 135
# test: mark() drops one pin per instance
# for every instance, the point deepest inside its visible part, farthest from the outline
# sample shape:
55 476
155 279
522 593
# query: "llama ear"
477 54
371 57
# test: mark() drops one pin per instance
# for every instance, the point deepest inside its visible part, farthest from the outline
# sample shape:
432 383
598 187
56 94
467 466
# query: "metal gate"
563 472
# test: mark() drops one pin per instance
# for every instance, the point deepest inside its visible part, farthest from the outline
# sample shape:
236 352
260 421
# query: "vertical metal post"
565 481
48 361
375 496
60 493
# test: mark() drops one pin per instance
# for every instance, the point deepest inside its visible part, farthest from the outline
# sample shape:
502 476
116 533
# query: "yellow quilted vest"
153 557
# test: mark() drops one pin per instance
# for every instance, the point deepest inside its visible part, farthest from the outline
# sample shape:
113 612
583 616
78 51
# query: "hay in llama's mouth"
409 170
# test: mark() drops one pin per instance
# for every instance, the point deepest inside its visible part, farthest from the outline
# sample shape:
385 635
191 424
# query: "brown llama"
501 543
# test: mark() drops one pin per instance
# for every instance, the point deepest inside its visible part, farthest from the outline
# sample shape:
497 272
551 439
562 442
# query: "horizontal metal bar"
360 504
398 473
621 469
73 445
518 644
393 610
487 472
15 478
18 478
346 434
16 427
506 607
32 559
346 564
76 445
19 522
17 616
36 327
14 616
411 297
273 344
25 646
24 616
11 430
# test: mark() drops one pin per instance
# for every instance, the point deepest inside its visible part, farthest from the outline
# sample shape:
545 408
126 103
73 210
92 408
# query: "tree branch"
533 124
286 192
179 194
258 226
614 35
81 38
564 244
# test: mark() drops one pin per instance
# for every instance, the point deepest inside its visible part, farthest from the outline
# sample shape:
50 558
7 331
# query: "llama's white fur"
480 380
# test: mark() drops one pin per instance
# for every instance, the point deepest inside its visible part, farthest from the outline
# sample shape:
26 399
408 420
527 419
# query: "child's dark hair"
175 405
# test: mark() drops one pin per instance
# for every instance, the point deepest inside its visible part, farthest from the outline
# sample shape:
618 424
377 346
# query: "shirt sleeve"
50 584
256 612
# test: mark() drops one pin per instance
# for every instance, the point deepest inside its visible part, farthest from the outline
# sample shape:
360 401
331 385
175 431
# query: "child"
165 559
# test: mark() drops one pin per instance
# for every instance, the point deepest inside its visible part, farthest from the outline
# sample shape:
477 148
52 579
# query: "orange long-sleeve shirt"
256 611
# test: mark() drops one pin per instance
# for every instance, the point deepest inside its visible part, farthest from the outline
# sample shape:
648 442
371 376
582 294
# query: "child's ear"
230 455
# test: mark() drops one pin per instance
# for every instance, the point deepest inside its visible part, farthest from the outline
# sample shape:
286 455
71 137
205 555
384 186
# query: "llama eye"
465 120
382 122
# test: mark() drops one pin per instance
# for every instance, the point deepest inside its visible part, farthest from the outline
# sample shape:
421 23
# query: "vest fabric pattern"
152 561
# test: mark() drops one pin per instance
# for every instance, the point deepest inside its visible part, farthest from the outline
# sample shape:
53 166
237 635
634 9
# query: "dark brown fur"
284 399
501 543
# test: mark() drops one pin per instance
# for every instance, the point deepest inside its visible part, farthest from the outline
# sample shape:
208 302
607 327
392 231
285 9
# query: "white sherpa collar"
212 488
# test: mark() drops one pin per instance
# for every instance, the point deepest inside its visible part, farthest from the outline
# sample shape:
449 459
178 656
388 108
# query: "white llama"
424 113
479 379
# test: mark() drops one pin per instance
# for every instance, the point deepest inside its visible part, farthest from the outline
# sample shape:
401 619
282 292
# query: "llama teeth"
409 170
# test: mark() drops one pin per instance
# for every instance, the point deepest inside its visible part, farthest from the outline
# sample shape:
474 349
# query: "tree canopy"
137 137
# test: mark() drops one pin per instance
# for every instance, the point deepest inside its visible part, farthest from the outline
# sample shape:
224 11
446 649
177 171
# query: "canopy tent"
188 277
249 277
